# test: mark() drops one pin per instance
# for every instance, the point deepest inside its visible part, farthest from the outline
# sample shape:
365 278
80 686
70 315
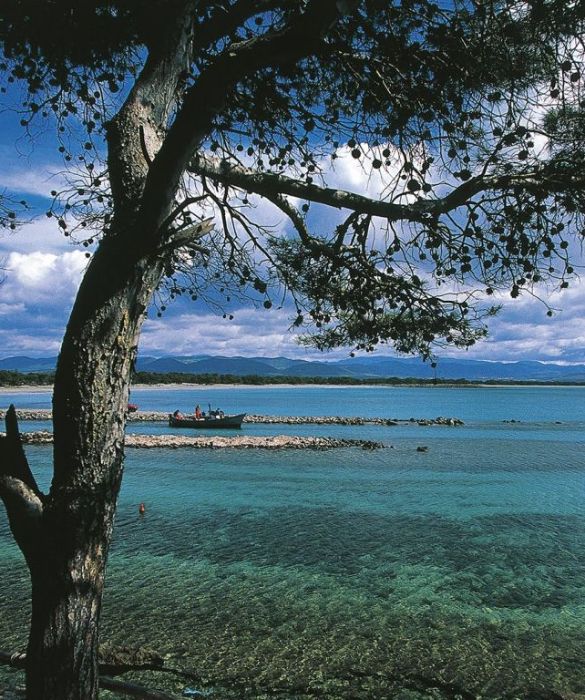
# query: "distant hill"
28 364
371 366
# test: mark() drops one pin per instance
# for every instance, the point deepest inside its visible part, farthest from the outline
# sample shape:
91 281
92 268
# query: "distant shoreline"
467 384
285 373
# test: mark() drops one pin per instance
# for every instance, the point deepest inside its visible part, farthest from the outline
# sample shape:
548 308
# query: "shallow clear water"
351 573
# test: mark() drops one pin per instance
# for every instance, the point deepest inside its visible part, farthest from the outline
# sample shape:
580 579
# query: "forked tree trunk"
67 556
65 535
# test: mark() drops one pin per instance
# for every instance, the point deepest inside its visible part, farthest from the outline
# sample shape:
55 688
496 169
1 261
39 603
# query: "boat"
214 420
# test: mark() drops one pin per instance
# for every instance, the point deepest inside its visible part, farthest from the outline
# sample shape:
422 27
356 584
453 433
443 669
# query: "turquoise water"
457 572
469 403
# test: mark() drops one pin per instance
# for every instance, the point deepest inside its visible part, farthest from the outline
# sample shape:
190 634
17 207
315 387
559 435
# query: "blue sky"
42 270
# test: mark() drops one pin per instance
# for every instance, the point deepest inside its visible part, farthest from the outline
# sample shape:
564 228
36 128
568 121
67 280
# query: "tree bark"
63 638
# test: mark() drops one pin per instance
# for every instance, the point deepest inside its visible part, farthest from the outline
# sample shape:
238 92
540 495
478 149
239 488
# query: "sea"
452 571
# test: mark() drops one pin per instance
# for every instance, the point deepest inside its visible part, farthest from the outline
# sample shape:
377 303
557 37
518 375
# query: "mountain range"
370 366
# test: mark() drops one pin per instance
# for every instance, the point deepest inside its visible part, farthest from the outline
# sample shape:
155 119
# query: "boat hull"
224 422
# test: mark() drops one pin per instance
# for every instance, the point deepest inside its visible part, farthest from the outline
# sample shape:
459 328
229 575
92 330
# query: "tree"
169 113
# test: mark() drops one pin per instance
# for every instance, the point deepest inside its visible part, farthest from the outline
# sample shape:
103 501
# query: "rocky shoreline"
159 416
273 442
217 442
345 420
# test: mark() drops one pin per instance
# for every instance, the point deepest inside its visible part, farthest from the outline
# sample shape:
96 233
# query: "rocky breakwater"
349 420
147 416
159 416
30 414
304 420
46 414
273 442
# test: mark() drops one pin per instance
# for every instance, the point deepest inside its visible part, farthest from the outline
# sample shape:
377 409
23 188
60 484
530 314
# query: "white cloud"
523 330
7 309
252 332
38 181
357 174
16 342
43 272
40 278
36 295
35 299
40 234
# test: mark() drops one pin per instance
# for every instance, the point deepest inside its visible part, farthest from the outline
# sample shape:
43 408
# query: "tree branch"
543 180
202 102
189 236
297 220
224 21
18 488
271 185
18 660
13 461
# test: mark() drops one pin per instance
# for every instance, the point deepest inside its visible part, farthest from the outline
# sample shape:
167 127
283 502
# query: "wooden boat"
209 421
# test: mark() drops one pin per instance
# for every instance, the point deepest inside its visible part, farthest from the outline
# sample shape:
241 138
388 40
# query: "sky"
42 270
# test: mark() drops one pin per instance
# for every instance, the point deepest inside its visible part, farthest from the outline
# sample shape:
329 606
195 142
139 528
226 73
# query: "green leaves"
352 301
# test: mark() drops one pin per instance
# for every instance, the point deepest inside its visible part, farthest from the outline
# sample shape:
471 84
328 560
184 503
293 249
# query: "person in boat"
198 413
178 415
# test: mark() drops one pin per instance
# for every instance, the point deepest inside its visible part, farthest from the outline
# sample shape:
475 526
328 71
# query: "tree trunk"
67 562
65 535
63 641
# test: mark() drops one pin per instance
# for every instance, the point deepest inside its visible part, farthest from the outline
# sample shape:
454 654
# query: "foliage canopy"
467 114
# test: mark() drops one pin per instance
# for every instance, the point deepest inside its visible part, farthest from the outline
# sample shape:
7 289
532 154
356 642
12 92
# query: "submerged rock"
115 660
17 693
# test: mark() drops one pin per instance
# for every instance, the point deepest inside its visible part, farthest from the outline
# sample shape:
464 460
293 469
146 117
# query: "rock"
370 445
18 693
116 660
422 448
39 437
